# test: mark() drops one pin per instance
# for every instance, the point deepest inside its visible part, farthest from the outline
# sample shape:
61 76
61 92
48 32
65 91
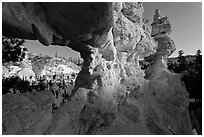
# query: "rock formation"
164 85
111 95
72 24
29 113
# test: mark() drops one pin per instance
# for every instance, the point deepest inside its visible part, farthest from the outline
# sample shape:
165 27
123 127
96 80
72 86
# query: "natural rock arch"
111 38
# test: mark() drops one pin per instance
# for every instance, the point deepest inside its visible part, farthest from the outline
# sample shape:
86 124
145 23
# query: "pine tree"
198 57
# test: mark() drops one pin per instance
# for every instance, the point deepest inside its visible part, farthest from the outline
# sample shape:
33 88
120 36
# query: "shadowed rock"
58 23
29 113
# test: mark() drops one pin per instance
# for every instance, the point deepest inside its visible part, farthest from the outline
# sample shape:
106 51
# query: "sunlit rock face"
116 62
161 28
169 93
111 95
118 90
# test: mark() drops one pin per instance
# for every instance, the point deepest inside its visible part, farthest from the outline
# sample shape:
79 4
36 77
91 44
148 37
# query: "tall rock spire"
165 85
161 29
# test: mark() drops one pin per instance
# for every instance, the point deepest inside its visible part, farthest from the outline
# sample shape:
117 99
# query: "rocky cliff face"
114 76
111 95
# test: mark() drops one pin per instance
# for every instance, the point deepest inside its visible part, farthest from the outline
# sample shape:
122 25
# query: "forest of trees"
12 49
191 72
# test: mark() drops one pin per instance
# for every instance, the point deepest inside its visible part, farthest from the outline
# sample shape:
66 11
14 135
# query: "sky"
185 18
186 21
36 47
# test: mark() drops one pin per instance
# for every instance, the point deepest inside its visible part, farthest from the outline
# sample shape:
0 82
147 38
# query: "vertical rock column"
171 97
161 29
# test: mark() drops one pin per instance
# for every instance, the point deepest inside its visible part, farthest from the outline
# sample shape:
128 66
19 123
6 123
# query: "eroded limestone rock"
28 113
133 11
111 95
58 23
166 87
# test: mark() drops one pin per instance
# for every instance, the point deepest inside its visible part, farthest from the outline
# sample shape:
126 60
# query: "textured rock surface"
58 23
111 94
171 96
29 113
